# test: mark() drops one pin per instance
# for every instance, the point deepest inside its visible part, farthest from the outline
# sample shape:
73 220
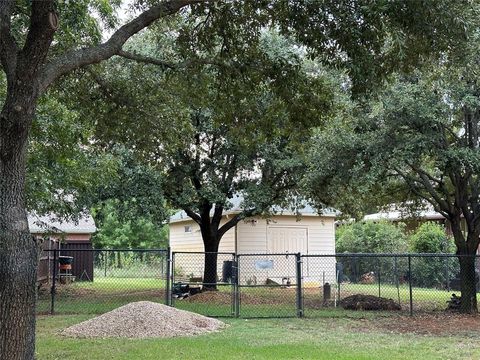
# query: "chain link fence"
195 272
248 285
97 281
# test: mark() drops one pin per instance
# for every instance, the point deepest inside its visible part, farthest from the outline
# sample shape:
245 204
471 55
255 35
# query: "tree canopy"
418 142
42 41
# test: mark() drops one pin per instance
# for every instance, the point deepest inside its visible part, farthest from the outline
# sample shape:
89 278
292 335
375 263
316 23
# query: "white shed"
284 233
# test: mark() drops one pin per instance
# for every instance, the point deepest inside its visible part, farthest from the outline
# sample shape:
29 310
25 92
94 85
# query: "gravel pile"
145 319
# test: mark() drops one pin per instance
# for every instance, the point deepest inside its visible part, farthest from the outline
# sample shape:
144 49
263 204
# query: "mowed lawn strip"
105 294
323 338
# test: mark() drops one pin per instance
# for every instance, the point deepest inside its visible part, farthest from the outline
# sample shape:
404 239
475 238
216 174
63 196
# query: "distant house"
65 236
411 220
283 233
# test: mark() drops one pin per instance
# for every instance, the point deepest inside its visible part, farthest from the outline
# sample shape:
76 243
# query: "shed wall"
255 236
192 241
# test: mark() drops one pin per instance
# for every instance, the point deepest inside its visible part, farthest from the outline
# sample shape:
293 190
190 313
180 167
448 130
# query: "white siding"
184 241
193 264
252 236
265 236
262 236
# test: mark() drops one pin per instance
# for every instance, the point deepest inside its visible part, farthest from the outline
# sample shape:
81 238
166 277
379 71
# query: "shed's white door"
287 239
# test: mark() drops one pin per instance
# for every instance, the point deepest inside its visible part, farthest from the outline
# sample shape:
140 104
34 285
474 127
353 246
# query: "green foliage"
416 143
139 233
370 39
371 237
431 237
134 187
215 128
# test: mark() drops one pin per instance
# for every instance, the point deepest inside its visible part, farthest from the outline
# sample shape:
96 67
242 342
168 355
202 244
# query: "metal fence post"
379 279
397 282
410 283
299 284
105 259
168 298
236 290
447 280
53 290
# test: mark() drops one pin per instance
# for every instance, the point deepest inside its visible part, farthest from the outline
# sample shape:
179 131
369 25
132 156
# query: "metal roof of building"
396 213
52 223
236 207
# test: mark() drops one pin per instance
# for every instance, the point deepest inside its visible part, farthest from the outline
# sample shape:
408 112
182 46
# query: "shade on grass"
322 338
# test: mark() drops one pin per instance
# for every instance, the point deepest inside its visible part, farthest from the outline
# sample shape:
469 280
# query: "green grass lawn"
324 334
328 337
105 294
102 295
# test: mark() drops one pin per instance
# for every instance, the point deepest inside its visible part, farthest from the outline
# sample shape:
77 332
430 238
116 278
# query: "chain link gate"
269 285
194 272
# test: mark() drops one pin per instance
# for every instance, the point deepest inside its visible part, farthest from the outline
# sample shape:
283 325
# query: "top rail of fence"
105 250
203 252
374 255
391 255
273 254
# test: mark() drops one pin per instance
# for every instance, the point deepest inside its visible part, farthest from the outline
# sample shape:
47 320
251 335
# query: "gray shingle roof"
236 207
52 223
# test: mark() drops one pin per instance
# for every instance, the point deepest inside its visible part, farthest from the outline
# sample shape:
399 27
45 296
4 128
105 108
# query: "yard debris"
144 319
454 302
184 290
368 302
368 278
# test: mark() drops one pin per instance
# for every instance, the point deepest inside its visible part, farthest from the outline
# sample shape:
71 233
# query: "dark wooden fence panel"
45 263
82 267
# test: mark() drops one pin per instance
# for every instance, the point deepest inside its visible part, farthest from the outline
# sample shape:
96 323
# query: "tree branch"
169 65
146 59
194 216
426 183
235 220
217 215
438 204
78 58
8 46
43 24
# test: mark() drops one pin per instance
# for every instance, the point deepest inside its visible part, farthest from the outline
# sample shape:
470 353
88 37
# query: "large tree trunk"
468 285
466 251
18 249
119 260
210 265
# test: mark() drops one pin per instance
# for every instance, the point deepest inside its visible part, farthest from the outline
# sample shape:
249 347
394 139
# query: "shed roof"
236 207
52 223
397 213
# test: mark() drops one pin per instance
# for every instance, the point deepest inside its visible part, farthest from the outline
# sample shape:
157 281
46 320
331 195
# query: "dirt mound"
368 302
145 319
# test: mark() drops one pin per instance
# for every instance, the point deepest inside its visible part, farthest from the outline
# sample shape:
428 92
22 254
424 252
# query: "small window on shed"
188 229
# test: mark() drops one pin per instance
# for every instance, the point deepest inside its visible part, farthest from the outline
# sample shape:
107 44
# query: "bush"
371 237
431 237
